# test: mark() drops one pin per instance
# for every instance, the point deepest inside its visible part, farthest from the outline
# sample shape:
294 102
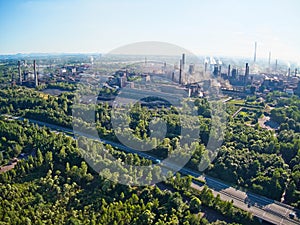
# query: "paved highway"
261 207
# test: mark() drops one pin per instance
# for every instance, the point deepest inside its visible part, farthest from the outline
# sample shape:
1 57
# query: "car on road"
157 161
292 215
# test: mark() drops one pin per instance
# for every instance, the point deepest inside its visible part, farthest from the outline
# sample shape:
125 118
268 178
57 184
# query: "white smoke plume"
212 61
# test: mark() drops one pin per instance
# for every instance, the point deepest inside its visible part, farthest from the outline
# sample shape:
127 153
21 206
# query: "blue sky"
205 27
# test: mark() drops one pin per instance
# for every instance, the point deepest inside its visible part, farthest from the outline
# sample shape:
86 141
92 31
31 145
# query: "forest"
261 160
54 185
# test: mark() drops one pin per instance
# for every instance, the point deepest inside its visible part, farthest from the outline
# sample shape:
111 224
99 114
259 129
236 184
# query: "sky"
204 27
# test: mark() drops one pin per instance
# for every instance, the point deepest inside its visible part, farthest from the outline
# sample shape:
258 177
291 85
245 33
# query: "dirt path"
237 112
8 167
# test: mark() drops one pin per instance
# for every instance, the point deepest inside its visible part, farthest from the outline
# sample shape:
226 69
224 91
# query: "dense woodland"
264 161
54 185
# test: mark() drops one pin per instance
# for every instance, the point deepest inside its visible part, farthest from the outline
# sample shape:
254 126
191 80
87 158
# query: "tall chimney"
246 73
255 47
289 71
183 61
180 71
276 63
205 67
19 71
269 61
183 75
35 74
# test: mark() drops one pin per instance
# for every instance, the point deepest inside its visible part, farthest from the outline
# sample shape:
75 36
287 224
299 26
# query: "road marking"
281 221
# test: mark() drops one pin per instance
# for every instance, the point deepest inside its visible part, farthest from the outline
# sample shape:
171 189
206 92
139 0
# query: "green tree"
195 204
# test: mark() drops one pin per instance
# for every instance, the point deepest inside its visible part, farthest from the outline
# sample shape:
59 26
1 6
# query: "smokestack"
247 69
289 71
182 74
19 70
180 71
276 65
205 67
35 74
228 73
255 47
183 61
246 73
269 61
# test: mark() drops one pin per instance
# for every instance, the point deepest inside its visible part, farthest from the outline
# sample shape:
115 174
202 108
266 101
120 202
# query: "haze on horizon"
219 28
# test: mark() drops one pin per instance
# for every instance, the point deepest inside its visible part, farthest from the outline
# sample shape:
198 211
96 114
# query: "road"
260 206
